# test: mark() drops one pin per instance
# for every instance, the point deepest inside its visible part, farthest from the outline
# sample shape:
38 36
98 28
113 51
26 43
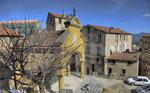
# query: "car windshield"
135 78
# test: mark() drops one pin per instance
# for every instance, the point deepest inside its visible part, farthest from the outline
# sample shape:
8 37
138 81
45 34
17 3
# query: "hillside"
136 37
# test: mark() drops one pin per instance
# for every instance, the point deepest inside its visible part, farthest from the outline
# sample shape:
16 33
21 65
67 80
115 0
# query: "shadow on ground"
133 91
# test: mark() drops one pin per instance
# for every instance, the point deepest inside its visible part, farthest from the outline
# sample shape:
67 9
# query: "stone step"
95 85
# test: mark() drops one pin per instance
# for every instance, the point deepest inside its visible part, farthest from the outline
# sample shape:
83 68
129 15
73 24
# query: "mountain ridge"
136 37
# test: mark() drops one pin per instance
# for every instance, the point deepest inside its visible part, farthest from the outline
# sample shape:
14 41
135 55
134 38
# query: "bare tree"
35 57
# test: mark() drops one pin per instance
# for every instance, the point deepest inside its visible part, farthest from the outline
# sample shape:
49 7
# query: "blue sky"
130 15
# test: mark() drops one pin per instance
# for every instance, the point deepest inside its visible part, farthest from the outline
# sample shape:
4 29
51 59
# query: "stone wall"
145 67
50 23
118 66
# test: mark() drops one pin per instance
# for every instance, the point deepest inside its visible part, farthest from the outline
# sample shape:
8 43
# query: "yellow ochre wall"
74 27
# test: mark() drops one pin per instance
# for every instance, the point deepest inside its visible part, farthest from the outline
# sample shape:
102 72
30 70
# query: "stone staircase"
95 85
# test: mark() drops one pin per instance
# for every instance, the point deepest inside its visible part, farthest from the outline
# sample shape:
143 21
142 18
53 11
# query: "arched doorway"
74 62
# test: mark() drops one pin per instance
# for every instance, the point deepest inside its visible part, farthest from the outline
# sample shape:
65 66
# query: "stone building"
22 26
145 62
140 44
56 21
101 42
5 72
123 64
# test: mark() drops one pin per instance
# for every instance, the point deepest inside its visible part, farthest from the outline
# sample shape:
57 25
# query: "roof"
7 32
70 19
19 21
109 29
124 56
147 35
59 15
43 40
48 38
63 37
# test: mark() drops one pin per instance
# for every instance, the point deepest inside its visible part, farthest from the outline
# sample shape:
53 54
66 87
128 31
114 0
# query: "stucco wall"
59 26
111 43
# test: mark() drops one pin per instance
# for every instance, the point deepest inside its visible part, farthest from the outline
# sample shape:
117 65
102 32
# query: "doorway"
110 71
88 71
93 67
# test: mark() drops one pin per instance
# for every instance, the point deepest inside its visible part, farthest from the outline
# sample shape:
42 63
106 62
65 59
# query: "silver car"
139 80
143 89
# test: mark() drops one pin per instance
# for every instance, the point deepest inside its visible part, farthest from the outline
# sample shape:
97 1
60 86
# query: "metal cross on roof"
74 11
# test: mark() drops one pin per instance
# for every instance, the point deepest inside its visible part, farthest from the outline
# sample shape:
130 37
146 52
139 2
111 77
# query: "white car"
139 80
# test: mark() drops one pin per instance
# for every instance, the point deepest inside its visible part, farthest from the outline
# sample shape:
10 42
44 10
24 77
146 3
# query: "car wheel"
132 84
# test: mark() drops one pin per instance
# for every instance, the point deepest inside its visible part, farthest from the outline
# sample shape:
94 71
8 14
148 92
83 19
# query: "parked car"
143 89
139 80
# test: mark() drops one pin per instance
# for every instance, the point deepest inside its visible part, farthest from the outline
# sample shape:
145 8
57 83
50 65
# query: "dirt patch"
117 88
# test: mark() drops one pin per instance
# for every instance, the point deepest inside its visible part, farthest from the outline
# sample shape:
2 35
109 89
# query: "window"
123 71
59 20
129 62
87 38
145 80
124 37
88 30
99 38
93 66
139 79
98 50
113 61
120 48
88 59
120 37
115 48
97 60
87 50
95 30
123 47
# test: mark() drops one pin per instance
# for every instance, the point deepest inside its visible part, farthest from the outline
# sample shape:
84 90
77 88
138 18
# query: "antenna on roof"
74 11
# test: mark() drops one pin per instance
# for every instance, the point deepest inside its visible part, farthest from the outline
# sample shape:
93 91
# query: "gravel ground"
115 86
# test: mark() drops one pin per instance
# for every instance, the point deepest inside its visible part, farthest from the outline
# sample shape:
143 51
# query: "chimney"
111 28
63 14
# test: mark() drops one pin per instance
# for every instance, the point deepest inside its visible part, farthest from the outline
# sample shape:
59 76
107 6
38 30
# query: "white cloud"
146 15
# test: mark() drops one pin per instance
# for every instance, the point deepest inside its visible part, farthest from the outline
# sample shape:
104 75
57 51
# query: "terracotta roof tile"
59 15
124 56
7 32
19 21
109 29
